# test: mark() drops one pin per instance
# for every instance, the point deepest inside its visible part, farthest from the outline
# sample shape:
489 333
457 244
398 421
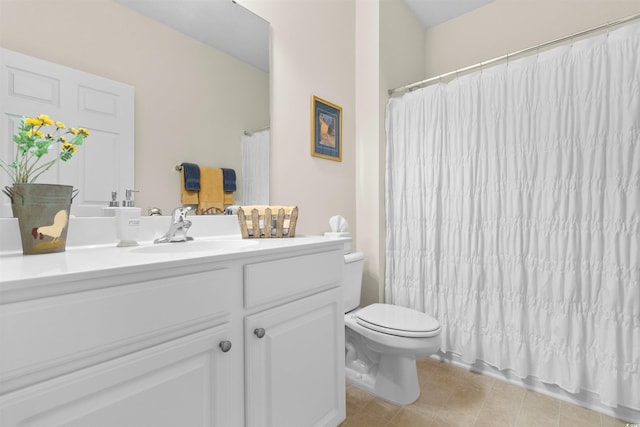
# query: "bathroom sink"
194 246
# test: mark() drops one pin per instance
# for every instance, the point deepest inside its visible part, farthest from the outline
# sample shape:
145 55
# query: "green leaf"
77 140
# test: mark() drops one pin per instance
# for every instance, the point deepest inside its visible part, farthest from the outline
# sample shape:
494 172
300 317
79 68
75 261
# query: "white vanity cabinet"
295 350
253 339
180 383
136 353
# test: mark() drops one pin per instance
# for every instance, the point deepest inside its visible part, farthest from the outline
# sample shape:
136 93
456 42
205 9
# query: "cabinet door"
295 371
180 383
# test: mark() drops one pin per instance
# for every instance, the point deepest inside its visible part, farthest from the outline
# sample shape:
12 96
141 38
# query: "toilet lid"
397 320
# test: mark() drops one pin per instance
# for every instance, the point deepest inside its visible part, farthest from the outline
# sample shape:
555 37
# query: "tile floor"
453 396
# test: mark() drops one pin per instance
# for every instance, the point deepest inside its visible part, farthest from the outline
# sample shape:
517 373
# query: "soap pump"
114 200
128 202
113 205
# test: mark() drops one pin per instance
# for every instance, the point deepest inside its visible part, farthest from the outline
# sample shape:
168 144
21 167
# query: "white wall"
400 55
505 26
313 53
192 101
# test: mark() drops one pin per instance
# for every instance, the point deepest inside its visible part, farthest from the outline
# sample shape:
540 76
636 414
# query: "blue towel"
228 180
191 176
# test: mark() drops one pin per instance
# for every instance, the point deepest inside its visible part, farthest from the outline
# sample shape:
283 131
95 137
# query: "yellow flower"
36 133
33 122
34 138
68 147
45 119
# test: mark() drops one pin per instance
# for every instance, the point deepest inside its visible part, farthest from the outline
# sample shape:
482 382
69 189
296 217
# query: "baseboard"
585 399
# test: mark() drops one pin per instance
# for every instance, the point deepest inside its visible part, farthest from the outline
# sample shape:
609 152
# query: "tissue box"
267 221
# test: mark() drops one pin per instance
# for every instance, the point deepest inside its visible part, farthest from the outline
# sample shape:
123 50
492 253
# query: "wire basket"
267 221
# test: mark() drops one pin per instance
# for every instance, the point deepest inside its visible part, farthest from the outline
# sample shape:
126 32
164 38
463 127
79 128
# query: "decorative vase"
43 215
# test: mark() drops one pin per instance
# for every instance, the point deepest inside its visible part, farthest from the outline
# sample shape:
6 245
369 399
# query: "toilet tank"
352 280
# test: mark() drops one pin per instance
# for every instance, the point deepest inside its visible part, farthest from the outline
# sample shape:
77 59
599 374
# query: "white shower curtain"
255 168
513 214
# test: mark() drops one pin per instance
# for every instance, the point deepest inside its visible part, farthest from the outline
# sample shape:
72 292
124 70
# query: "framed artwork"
326 130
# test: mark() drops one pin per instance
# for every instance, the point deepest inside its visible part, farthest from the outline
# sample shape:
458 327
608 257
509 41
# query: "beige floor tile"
538 410
446 419
426 369
364 420
466 399
612 422
357 399
537 420
476 380
537 403
411 417
576 415
382 409
492 416
504 391
431 399
453 396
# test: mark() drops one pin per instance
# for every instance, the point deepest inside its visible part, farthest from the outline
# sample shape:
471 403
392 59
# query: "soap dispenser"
128 201
127 221
114 200
113 204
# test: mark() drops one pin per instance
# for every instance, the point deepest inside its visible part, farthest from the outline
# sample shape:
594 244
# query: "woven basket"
267 221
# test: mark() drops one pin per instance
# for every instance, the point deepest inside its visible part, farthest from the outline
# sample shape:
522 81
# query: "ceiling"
434 12
231 28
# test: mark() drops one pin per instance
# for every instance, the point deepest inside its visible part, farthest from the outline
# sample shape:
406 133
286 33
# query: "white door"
295 363
30 86
180 383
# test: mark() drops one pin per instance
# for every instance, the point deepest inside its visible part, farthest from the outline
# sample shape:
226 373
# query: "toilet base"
394 379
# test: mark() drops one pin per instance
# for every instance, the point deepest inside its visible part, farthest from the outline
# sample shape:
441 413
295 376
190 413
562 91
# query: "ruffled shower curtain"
255 167
513 214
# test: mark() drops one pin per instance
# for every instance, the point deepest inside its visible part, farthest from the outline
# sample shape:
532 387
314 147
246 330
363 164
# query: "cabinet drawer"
50 336
285 279
184 382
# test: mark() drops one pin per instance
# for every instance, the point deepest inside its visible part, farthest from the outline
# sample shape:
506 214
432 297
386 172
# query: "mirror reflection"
193 102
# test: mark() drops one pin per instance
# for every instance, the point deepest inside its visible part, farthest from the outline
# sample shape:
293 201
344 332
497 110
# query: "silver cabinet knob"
259 332
225 346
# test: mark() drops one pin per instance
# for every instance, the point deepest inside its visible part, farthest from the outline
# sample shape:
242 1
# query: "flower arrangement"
34 138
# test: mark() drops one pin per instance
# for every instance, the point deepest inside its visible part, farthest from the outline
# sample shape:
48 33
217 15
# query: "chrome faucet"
178 228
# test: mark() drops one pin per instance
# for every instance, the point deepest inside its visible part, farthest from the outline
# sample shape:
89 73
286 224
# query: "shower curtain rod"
427 82
251 132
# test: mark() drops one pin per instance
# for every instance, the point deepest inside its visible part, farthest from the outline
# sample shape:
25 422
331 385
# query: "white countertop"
31 276
93 259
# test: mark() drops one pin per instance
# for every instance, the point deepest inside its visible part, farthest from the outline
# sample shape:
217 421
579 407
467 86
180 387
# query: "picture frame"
326 130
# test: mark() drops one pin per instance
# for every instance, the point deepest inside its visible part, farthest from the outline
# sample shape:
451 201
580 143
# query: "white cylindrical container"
127 226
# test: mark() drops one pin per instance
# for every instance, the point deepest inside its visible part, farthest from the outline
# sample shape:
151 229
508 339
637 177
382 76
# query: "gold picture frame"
326 129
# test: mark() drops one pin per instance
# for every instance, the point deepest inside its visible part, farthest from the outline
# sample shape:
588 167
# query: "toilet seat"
397 320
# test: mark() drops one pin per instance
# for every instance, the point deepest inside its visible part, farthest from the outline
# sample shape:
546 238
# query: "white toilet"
383 341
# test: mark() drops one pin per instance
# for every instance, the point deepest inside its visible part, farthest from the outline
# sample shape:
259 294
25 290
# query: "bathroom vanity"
226 332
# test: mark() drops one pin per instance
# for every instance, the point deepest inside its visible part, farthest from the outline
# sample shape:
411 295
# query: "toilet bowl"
383 341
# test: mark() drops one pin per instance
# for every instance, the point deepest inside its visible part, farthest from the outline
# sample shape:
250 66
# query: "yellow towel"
211 197
187 197
228 198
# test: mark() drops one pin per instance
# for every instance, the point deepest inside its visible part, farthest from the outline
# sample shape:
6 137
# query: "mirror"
223 24
193 102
